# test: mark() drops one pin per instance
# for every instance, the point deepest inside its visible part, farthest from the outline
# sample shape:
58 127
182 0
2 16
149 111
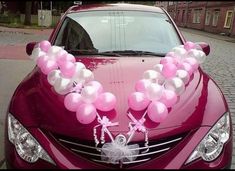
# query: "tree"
28 7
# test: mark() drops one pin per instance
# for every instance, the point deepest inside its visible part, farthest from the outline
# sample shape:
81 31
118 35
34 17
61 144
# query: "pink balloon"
189 45
72 101
105 102
168 59
48 66
44 45
157 111
169 98
41 60
142 85
71 58
96 85
193 62
65 58
187 67
67 69
138 101
86 113
169 70
60 56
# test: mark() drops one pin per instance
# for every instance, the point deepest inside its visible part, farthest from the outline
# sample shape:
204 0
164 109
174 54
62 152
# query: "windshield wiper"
136 52
92 52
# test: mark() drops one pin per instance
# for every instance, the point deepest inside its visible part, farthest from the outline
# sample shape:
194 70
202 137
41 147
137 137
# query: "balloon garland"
161 86
157 91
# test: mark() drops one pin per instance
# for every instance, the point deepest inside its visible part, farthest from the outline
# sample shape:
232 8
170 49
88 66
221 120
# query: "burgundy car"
117 42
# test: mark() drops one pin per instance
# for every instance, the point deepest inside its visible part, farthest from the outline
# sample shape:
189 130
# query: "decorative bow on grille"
118 151
104 123
138 125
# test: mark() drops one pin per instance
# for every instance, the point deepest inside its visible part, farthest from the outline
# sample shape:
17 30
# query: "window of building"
178 15
189 15
170 2
183 16
228 19
197 15
215 18
208 18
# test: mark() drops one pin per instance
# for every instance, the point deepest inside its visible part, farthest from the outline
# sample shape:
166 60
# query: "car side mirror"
29 47
205 47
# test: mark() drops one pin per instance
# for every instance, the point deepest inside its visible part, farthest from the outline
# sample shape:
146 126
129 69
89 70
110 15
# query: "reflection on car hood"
118 76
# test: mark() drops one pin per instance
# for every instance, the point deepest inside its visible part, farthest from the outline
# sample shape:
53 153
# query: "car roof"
116 6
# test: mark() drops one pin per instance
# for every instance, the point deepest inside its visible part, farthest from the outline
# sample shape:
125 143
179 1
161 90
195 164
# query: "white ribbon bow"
118 151
104 123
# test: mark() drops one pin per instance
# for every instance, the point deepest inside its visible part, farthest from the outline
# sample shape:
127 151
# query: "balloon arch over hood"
157 91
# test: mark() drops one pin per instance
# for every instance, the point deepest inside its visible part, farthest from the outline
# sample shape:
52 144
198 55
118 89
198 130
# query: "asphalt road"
220 65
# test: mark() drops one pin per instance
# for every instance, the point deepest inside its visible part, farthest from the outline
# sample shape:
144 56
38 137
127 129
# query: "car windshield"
117 33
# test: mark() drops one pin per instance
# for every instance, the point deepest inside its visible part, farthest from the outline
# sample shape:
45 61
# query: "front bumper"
173 159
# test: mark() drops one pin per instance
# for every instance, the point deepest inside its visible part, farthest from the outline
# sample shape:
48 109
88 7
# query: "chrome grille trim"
157 145
141 148
150 153
84 152
129 162
137 155
81 145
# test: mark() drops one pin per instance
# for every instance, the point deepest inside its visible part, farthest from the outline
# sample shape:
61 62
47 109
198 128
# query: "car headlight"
212 144
26 145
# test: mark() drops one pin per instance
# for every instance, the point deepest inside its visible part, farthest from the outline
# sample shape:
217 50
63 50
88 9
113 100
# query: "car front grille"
87 149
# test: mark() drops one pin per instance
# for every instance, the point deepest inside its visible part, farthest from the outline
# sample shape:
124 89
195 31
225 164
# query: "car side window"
73 36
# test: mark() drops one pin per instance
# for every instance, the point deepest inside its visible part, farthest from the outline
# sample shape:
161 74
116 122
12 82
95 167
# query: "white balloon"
89 94
175 84
180 52
158 67
53 50
86 75
78 68
63 85
151 75
154 91
53 76
36 53
199 55
201 58
193 53
198 47
183 75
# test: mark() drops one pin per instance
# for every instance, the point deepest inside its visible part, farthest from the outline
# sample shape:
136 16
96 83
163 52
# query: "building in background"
162 4
211 16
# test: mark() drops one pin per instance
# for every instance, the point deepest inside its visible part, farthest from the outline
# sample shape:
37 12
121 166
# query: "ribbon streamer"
104 123
138 125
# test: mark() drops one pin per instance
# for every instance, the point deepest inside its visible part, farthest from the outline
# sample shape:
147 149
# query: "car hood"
118 76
